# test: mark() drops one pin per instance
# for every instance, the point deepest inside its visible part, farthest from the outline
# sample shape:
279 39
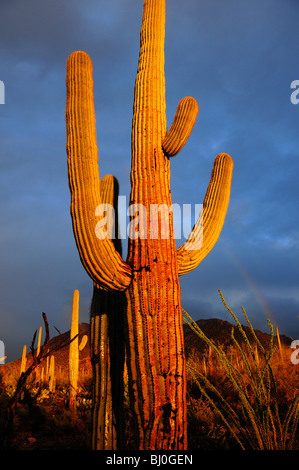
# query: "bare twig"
57 330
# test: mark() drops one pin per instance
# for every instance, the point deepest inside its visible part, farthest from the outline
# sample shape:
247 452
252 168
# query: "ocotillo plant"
150 276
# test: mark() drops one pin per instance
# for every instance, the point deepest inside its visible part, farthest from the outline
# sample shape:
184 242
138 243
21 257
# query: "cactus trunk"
107 349
154 314
107 357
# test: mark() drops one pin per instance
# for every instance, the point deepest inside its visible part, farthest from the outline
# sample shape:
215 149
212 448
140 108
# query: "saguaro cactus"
24 360
107 347
150 276
74 352
52 380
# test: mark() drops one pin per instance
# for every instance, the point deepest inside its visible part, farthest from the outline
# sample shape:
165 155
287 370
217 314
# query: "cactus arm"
181 128
83 342
210 222
99 257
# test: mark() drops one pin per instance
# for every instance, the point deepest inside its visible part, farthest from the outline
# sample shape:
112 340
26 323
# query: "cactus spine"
150 276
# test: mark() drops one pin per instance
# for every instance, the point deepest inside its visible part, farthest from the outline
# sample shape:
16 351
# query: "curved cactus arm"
99 257
208 227
181 128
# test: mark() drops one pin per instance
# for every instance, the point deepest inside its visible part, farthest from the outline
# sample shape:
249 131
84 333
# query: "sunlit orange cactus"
74 353
99 257
150 276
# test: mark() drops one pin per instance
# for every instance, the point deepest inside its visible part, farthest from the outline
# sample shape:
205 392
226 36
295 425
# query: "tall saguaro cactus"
150 276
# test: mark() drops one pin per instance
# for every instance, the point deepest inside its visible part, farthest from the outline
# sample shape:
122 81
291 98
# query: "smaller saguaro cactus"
37 371
52 374
74 352
47 365
39 340
24 360
74 349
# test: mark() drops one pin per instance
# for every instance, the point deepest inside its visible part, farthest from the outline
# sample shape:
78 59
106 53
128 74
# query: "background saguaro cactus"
24 360
150 276
74 352
52 381
74 349
107 347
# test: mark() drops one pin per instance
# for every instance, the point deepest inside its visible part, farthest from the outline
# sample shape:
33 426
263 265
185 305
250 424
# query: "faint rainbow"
252 284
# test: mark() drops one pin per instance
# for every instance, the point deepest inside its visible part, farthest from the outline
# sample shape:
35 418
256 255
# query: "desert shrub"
247 395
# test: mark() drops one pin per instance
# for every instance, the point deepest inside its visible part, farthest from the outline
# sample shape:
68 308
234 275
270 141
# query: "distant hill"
215 329
220 332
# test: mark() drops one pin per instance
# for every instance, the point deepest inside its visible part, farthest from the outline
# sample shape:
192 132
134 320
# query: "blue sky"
238 59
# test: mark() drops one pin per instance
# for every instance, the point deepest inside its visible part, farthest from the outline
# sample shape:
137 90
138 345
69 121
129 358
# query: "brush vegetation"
242 393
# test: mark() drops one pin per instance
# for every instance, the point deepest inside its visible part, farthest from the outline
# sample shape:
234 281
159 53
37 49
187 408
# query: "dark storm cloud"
238 60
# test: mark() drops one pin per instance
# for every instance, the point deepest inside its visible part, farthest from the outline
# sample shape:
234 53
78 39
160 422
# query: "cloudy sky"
238 59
